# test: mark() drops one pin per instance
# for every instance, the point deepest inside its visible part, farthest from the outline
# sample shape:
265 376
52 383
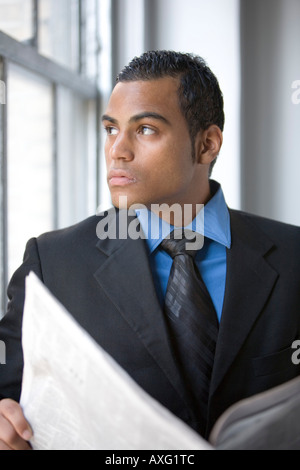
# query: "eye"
110 130
145 130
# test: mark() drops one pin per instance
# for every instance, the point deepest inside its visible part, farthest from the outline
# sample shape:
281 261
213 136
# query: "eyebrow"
138 117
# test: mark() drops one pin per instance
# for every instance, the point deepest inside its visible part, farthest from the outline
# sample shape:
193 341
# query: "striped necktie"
193 324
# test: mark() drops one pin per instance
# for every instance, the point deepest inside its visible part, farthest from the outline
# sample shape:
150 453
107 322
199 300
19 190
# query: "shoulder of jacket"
264 221
279 232
79 233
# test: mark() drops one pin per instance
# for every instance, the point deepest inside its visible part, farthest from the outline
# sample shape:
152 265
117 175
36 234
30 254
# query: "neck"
183 213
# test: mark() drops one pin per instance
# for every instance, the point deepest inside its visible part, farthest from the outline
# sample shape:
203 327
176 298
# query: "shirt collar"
215 215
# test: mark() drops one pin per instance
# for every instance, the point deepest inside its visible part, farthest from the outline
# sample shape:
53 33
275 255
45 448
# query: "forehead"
134 97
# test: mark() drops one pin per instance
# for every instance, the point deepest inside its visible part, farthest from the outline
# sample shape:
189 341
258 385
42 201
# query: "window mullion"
29 58
82 37
35 20
3 189
55 155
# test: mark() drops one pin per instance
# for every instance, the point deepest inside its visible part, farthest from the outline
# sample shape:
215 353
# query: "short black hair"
200 97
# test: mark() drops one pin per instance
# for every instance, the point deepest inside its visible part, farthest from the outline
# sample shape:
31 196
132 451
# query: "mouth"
120 178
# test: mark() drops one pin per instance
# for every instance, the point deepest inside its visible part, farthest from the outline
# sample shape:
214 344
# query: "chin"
125 201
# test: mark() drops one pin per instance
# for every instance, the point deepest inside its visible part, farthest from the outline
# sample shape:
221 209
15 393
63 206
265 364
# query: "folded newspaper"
76 397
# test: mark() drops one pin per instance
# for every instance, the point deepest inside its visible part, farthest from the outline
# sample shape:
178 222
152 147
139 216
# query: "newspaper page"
76 397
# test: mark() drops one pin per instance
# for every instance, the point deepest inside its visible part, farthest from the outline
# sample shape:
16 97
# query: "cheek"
164 179
107 150
172 166
160 158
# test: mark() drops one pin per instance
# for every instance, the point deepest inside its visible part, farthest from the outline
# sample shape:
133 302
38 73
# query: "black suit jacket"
107 285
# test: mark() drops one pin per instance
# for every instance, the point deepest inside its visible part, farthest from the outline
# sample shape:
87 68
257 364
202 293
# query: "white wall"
270 119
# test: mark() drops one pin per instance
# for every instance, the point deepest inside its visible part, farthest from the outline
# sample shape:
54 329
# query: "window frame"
3 190
26 55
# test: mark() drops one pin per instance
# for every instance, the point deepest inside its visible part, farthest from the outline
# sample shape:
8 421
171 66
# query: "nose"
121 148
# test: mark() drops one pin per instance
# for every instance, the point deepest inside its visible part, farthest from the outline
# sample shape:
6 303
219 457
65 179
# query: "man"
164 126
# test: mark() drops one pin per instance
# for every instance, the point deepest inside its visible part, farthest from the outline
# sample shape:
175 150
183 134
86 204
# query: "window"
16 19
30 206
50 60
59 31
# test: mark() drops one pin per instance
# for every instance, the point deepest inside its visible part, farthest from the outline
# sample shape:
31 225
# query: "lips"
120 178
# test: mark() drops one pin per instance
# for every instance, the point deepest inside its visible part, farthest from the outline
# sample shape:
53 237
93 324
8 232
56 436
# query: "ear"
208 144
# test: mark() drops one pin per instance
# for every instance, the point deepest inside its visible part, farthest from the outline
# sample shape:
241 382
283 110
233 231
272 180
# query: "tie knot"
176 244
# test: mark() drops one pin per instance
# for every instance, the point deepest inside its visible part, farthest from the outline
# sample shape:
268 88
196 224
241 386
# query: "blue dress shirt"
210 260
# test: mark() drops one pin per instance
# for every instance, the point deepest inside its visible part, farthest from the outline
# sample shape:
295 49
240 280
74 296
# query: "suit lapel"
126 278
249 282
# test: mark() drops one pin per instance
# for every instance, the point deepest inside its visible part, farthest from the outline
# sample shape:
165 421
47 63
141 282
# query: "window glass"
91 39
49 132
3 280
77 157
59 31
16 18
29 161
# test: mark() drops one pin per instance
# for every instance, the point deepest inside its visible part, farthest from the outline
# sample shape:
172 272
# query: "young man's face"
148 147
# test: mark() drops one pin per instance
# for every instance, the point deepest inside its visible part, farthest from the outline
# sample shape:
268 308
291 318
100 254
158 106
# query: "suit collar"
213 221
